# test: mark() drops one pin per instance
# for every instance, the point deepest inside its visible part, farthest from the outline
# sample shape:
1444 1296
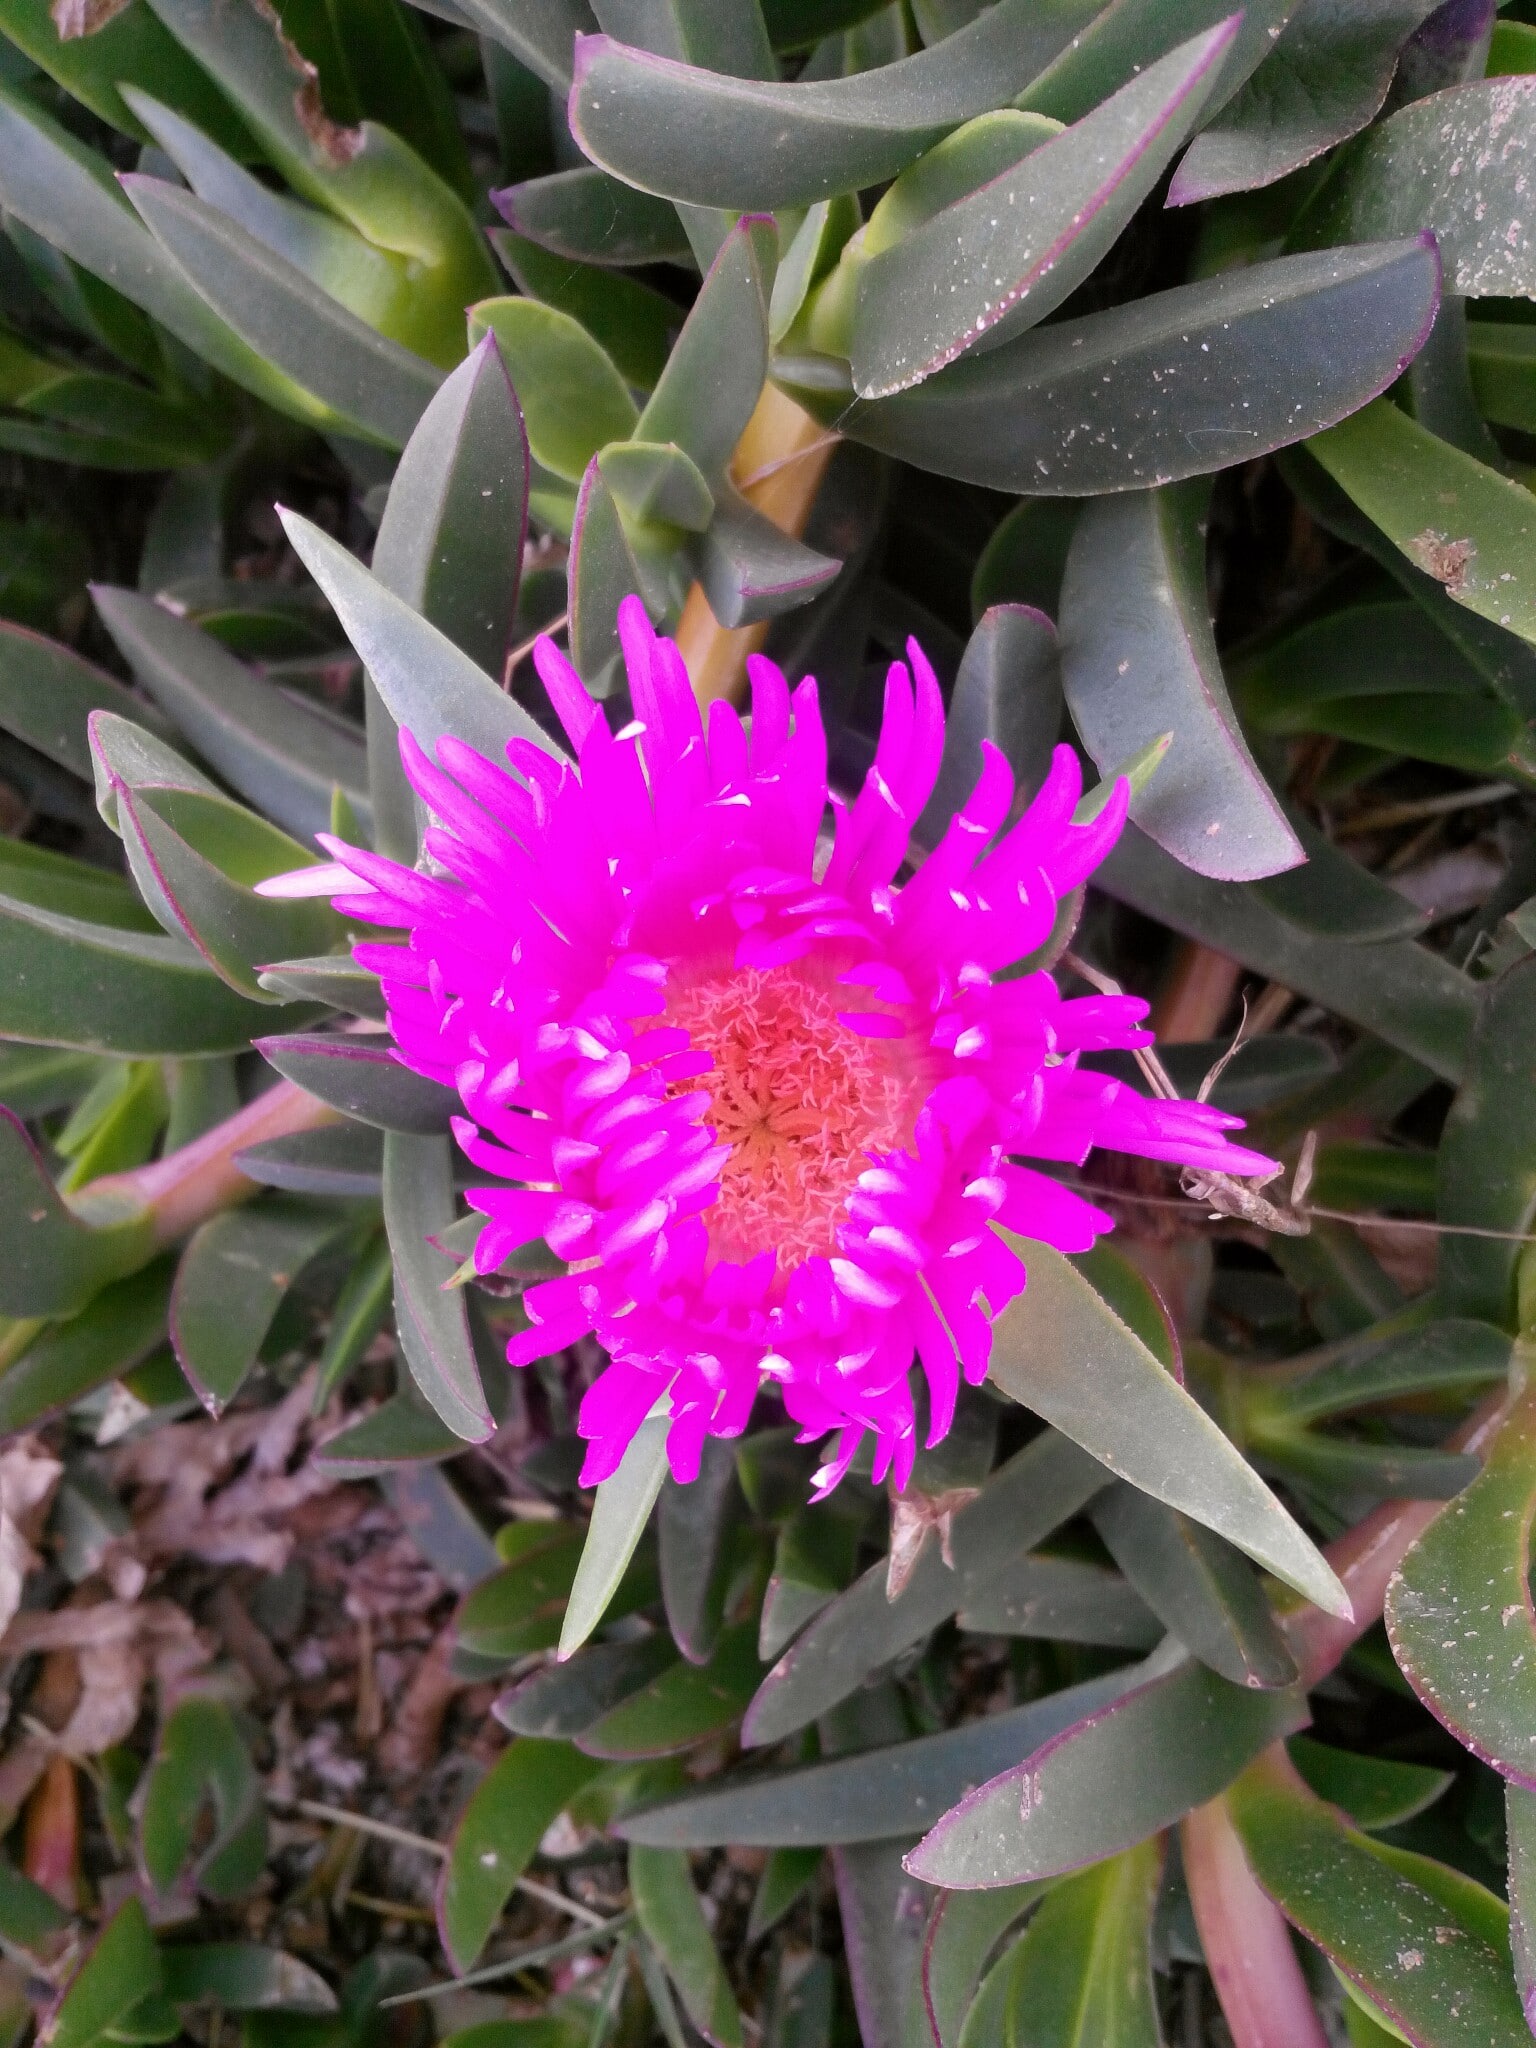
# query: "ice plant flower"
767 1103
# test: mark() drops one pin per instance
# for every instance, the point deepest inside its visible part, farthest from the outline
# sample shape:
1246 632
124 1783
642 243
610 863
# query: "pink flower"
766 1103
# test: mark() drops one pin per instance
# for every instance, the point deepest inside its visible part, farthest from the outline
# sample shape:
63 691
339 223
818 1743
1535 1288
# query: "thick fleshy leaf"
527 1787
705 396
1064 1600
563 1700
282 754
589 217
668 1909
693 1525
362 1078
682 1705
1520 1827
603 571
403 1430
432 1321
882 1914
334 979
750 570
244 1976
1450 1355
964 1928
1039 1488
1117 1775
1389 1921
231 1280
202 1770
282 317
338 1159
1138 658
1082 1969
1486 1162
1457 163
1334 895
114 1333
1009 253
1169 386
120 1972
699 136
1061 1350
518 1608
1008 691
539 33
1402 992
47 693
1125 38
1375 1791
1459 1610
619 1515
877 1794
60 1256
1325 79
427 683
572 396
1452 516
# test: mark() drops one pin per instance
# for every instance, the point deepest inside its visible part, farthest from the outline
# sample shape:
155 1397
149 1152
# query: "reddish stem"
1247 1944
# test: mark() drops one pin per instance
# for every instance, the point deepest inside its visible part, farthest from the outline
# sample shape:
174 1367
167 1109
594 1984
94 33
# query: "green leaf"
1166 1745
527 1787
336 1159
231 1280
1062 1351
1335 896
563 1700
682 1705
1040 1487
573 398
1374 1791
1205 1593
699 136
360 1311
519 1608
1453 517
750 570
585 216
1138 658
113 1333
131 48
1406 1946
634 324
619 1515
362 1078
1520 1828
402 1431
1401 992
1081 1973
1455 163
1062 1599
1458 1610
334 979
243 1976
47 693
963 1930
283 755
537 32
1486 1161
714 375
426 682
1004 256
1008 692
1121 41
202 1768
121 1971
693 1525
668 1910
1448 1355
433 1323
1169 386
1325 79
603 572
58 1260
52 881
30 1917
787 1875
882 1914
892 1792
1502 363
358 374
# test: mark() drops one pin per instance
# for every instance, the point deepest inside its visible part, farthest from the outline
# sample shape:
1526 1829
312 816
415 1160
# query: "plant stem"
1247 1944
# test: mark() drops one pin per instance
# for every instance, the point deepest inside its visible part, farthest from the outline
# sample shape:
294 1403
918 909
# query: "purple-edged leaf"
1039 1488
1486 1163
655 481
114 1333
1009 253
1402 992
1064 1600
668 1909
338 1159
682 1705
699 136
1425 1944
602 572
1008 691
750 569
1451 48
693 1526
1374 1791
1138 659
875 1794
570 392
1061 1350
1459 1610
589 217
202 1771
1169 1743
1520 1827
884 1916
1205 1593
58 1256
230 1283
362 1077
963 1930
518 1608
47 693
432 1321
526 1789
402 1430
563 1700
1124 38
334 979
1335 896
1325 79
1458 163
282 754
1082 1969
714 375
1174 385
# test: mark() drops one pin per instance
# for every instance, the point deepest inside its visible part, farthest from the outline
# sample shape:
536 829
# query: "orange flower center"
801 1100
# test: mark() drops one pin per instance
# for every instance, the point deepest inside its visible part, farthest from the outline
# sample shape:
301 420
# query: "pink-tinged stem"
193 1184
1247 1944
1366 1557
